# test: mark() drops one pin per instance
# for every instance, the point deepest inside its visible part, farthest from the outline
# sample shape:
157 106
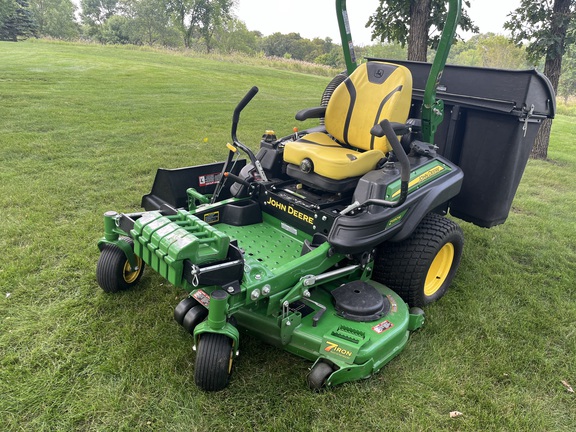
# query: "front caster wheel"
318 376
214 360
113 271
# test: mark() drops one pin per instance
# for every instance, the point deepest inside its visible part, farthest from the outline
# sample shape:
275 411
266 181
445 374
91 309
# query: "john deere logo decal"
287 208
334 348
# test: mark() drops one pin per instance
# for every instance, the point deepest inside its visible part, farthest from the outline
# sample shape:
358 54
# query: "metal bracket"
528 115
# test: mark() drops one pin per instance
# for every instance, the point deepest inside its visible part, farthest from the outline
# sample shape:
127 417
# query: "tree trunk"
418 36
553 69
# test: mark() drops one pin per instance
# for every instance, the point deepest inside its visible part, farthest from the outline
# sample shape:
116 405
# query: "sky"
317 18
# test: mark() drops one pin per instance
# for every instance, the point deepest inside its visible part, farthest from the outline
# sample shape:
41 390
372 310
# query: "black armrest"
398 128
309 113
415 124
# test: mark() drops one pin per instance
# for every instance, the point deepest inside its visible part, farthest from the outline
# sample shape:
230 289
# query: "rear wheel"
421 268
214 360
113 271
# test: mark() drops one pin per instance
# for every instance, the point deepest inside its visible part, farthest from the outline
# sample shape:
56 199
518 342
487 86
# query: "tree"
234 36
417 23
213 15
116 31
199 16
544 25
7 12
55 18
567 85
385 51
16 21
149 21
489 50
96 12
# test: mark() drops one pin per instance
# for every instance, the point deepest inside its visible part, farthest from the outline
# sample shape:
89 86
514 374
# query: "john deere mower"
327 242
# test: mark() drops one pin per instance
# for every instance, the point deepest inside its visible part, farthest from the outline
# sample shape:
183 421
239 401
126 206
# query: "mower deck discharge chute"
327 242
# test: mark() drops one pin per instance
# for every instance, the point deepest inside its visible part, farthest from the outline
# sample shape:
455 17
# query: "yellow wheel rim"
439 269
231 361
130 275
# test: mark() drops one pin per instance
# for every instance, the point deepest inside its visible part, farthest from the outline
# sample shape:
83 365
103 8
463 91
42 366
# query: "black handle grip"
377 131
236 179
236 117
242 104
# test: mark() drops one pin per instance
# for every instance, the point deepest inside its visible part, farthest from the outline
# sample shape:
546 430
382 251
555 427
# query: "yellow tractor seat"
334 160
330 159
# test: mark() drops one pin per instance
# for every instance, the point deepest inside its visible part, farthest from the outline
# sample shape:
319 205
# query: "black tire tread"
110 268
183 307
318 376
195 315
403 266
212 360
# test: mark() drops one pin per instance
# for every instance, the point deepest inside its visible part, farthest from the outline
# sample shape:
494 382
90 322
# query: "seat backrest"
373 92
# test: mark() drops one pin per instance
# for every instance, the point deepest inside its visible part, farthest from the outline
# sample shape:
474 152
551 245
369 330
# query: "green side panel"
164 242
419 178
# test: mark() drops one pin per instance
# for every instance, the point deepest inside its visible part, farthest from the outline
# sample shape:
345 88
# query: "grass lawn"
83 129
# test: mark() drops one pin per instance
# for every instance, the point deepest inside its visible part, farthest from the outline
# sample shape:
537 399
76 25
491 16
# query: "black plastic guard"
230 277
170 185
362 232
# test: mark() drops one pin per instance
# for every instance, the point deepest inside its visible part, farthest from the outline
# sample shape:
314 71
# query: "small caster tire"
416 311
214 360
113 271
318 376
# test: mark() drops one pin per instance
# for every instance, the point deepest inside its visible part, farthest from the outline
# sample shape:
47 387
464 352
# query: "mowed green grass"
83 129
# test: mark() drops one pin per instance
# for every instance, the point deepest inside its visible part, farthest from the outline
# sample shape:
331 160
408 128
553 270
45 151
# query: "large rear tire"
421 268
113 271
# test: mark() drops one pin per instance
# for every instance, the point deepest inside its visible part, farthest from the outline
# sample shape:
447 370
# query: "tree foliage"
199 17
416 23
55 18
16 20
544 26
96 12
235 37
149 22
489 50
567 84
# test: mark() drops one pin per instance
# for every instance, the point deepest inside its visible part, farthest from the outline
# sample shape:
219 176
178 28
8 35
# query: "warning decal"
383 326
209 179
202 298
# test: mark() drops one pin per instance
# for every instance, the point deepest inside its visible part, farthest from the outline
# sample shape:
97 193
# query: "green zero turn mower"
328 241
